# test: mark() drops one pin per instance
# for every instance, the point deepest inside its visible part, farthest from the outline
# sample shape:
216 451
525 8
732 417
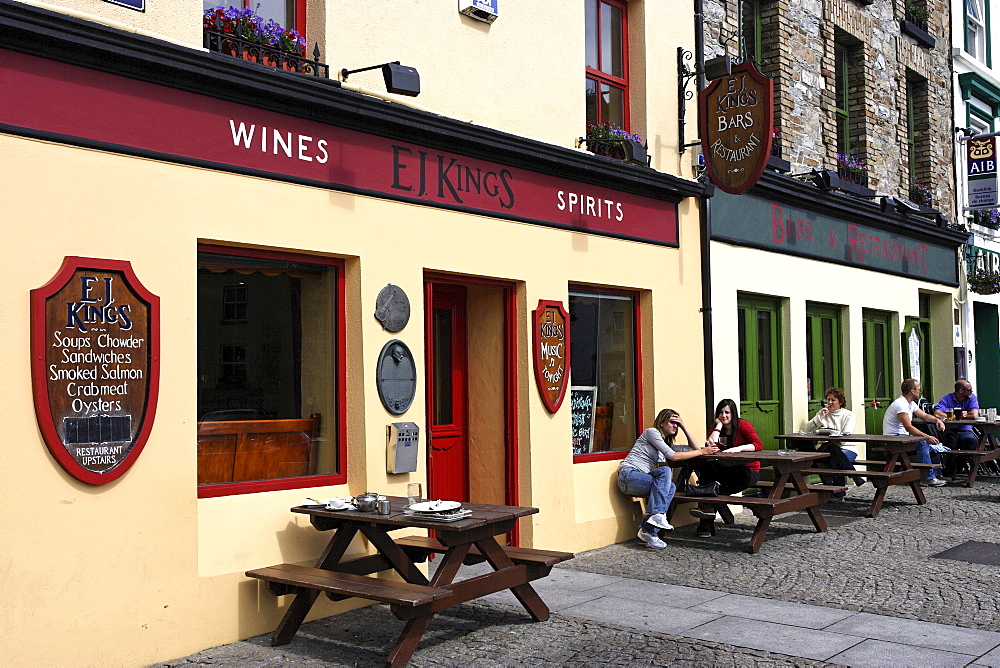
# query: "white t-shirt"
891 426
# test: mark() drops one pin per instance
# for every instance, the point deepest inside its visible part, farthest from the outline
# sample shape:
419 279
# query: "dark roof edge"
57 36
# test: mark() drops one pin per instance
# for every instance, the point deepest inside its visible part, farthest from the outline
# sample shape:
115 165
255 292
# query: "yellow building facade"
280 220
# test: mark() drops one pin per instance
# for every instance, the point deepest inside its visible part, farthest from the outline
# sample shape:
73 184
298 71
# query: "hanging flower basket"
987 218
984 282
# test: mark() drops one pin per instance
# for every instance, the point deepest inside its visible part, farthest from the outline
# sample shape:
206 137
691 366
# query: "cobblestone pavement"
881 565
481 634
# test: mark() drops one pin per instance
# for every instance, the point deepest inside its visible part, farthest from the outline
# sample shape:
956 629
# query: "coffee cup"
336 504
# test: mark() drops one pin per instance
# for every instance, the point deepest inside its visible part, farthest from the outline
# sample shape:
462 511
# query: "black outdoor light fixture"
824 179
908 208
399 79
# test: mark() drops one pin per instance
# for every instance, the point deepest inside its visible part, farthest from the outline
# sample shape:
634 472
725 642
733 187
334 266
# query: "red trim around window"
637 342
298 15
603 77
340 336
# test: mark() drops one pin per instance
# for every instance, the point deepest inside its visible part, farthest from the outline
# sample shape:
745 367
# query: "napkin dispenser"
401 448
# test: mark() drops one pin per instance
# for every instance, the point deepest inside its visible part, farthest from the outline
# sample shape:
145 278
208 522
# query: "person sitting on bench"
835 417
961 437
898 421
731 434
638 475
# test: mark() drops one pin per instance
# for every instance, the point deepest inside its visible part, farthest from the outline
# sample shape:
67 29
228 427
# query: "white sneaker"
937 482
651 540
659 520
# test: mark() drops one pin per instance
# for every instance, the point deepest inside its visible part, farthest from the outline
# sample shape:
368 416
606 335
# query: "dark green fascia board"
975 86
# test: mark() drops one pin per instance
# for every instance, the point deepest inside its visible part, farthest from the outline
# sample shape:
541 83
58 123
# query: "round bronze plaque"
396 377
392 308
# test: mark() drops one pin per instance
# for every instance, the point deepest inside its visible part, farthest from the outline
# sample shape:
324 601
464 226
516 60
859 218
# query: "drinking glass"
414 493
951 414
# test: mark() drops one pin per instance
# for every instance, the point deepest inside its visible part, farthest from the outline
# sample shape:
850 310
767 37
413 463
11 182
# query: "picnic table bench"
897 469
987 449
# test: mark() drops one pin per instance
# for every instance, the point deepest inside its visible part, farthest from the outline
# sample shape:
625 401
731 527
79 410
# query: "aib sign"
550 345
95 347
737 119
982 169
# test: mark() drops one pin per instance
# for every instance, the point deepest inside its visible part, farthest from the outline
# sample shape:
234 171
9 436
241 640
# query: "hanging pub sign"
95 366
550 348
736 114
982 170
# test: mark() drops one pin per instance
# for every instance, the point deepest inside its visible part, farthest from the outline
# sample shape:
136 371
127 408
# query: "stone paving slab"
990 659
641 614
923 634
794 614
655 593
780 638
880 654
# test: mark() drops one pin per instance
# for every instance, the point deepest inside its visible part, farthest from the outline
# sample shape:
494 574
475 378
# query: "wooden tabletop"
966 422
852 438
766 456
483 514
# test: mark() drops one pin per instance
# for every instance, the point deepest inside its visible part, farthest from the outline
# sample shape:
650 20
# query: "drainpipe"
705 229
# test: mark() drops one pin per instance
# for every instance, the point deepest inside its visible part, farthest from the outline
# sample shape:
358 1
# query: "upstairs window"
975 29
607 63
751 30
290 14
842 89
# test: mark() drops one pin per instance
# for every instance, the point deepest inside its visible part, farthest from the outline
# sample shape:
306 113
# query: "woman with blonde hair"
638 474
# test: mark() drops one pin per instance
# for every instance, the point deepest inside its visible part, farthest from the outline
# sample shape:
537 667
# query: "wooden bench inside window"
241 450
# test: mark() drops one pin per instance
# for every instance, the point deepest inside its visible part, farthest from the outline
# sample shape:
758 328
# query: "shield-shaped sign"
550 347
737 121
95 353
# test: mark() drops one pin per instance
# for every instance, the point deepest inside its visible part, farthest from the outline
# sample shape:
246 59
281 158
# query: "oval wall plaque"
396 377
737 120
95 349
550 349
392 308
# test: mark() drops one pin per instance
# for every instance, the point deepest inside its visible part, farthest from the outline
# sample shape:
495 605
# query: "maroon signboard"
72 104
95 353
737 119
550 348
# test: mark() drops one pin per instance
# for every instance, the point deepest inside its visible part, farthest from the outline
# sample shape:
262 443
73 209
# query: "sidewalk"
869 592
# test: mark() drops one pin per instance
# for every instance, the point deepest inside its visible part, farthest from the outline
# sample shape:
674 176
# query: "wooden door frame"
820 310
750 302
510 354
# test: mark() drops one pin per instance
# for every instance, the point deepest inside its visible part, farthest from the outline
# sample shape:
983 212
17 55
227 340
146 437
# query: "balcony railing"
232 45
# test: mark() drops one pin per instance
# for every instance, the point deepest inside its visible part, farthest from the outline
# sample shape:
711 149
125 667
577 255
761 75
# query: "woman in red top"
731 434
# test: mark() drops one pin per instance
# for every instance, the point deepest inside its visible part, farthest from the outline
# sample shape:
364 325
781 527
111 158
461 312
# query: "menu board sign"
582 401
550 339
95 366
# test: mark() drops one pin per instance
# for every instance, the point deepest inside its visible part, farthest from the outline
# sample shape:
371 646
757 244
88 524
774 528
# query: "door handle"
762 409
436 449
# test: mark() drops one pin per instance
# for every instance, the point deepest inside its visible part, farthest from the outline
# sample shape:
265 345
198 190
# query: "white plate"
435 506
432 517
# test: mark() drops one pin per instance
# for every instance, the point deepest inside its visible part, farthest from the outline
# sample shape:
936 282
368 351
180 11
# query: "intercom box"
401 449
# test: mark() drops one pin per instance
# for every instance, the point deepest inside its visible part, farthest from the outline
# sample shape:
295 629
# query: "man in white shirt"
898 421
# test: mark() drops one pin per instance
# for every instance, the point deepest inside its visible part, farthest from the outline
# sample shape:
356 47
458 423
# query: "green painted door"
879 390
987 354
824 361
759 337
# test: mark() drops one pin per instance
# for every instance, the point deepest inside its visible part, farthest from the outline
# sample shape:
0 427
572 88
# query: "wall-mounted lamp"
714 68
399 79
718 67
824 179
898 205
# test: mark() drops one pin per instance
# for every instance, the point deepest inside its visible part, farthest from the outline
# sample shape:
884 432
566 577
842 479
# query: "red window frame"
636 319
298 14
340 378
603 77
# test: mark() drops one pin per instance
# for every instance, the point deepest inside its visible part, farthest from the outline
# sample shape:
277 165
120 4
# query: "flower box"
242 34
916 32
611 141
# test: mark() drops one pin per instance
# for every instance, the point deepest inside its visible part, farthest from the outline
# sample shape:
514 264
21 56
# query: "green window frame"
751 30
842 91
824 352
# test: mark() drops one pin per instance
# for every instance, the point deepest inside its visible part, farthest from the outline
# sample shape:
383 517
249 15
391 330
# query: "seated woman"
638 475
731 434
834 416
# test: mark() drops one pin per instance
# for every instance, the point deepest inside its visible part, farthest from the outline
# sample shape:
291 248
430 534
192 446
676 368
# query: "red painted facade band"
75 102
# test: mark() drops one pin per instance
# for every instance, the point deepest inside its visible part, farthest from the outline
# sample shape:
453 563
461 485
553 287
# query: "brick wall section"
798 41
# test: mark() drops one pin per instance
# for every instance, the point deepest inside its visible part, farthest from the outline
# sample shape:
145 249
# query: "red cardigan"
745 433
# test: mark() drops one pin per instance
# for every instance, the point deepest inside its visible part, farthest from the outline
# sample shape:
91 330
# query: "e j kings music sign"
95 366
737 120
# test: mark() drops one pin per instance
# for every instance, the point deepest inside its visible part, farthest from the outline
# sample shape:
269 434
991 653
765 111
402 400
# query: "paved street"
866 593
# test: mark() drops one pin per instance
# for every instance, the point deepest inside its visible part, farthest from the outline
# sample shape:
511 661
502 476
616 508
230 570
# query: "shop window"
975 29
268 377
290 14
607 63
603 358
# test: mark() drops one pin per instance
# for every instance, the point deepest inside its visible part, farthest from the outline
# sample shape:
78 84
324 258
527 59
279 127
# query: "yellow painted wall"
796 281
159 571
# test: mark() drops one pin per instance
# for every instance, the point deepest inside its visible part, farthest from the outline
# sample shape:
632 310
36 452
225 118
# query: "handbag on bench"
709 489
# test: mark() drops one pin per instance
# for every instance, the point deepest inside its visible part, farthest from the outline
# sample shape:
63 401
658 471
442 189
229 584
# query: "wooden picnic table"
897 469
415 599
987 450
788 468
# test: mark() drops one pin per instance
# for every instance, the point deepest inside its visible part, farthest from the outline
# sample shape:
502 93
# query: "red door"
447 362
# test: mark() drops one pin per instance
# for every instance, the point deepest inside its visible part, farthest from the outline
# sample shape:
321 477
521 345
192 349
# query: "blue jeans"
657 485
924 455
957 439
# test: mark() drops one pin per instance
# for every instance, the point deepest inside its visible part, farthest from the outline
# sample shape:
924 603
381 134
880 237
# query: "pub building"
839 266
232 285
